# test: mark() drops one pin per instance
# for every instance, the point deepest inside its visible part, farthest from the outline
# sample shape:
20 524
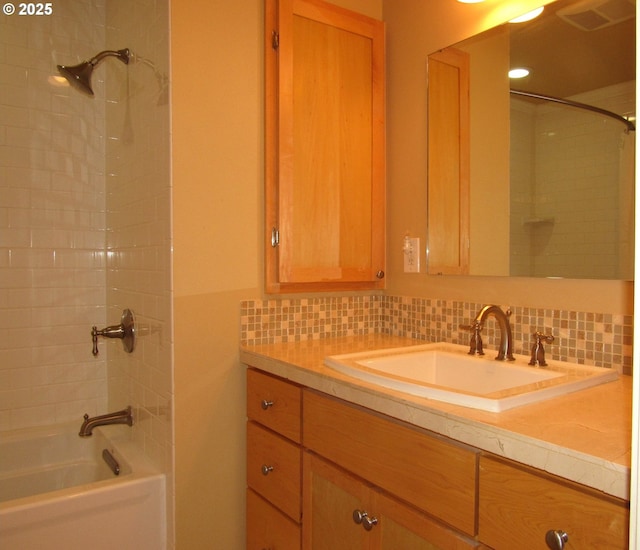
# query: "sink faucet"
506 340
120 417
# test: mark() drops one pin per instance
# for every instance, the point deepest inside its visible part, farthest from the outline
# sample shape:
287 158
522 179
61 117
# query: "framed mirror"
551 156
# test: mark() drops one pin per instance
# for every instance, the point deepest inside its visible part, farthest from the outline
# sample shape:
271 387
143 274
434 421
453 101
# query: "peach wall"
217 114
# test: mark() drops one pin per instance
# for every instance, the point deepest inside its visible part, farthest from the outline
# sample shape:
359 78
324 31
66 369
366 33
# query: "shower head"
79 76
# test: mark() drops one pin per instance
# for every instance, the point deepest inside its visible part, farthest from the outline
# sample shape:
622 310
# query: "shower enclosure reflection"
550 185
571 200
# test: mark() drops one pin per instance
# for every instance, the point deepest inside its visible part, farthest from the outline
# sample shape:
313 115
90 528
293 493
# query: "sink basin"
446 372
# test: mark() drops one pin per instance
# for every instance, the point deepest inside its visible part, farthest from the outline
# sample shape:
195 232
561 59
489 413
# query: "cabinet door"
324 148
330 497
518 507
400 526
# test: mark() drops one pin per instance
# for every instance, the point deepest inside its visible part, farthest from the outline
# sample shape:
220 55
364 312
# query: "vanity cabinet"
274 465
519 505
325 473
324 141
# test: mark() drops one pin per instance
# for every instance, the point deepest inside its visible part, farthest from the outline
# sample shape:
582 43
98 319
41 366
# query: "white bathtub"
58 493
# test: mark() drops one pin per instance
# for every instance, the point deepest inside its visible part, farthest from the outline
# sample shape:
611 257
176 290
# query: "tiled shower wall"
572 188
589 338
84 219
52 221
138 230
138 225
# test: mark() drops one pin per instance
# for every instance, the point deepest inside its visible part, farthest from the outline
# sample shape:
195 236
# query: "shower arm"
122 55
630 126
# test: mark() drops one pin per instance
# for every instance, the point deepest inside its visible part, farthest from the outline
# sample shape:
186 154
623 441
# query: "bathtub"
58 492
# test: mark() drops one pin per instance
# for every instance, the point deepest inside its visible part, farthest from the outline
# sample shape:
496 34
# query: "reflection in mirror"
551 183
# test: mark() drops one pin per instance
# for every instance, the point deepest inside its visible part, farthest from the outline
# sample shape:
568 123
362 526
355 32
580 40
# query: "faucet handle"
537 350
475 345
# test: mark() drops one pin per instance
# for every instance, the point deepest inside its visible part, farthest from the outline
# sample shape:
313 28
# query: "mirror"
551 177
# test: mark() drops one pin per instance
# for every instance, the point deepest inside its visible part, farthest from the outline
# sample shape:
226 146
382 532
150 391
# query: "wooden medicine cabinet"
325 151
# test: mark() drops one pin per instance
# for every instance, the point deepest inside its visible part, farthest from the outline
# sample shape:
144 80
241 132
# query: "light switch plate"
411 251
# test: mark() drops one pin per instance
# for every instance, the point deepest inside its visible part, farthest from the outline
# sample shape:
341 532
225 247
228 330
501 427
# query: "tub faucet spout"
120 417
506 339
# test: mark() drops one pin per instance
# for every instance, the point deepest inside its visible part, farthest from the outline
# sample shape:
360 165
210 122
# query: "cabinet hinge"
275 237
275 39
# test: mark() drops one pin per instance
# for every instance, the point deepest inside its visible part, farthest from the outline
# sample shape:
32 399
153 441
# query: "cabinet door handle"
266 404
362 518
266 470
556 538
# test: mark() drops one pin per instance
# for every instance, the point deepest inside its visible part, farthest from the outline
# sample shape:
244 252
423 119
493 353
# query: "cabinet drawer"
273 469
267 527
519 504
274 403
429 472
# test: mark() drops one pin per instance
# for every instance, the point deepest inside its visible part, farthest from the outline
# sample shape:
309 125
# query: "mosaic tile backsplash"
589 338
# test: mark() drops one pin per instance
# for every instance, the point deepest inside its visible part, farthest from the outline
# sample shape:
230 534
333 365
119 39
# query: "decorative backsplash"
589 338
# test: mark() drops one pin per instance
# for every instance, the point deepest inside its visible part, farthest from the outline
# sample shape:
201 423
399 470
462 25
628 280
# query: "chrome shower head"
79 76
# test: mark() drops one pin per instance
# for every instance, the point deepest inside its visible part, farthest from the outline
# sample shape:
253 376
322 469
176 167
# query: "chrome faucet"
506 339
120 417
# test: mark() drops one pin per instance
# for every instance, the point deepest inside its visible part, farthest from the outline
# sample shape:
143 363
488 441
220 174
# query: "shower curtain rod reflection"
630 126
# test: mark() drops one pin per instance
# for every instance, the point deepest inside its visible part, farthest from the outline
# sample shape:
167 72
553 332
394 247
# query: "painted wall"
217 159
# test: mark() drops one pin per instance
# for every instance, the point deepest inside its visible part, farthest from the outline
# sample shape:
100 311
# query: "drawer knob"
362 518
266 404
266 469
556 539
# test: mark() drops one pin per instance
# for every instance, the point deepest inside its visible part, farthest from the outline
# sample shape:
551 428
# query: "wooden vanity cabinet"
519 505
315 460
274 463
325 151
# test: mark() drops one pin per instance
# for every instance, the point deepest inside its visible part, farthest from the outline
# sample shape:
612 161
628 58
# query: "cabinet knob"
556 538
266 470
368 522
362 518
266 404
380 274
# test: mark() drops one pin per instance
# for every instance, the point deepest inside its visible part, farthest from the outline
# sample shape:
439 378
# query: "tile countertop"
583 436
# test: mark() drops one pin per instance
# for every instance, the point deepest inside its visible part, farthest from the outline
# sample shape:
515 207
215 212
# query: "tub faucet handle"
125 331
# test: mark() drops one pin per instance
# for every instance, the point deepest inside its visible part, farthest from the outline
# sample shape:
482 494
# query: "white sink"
445 372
